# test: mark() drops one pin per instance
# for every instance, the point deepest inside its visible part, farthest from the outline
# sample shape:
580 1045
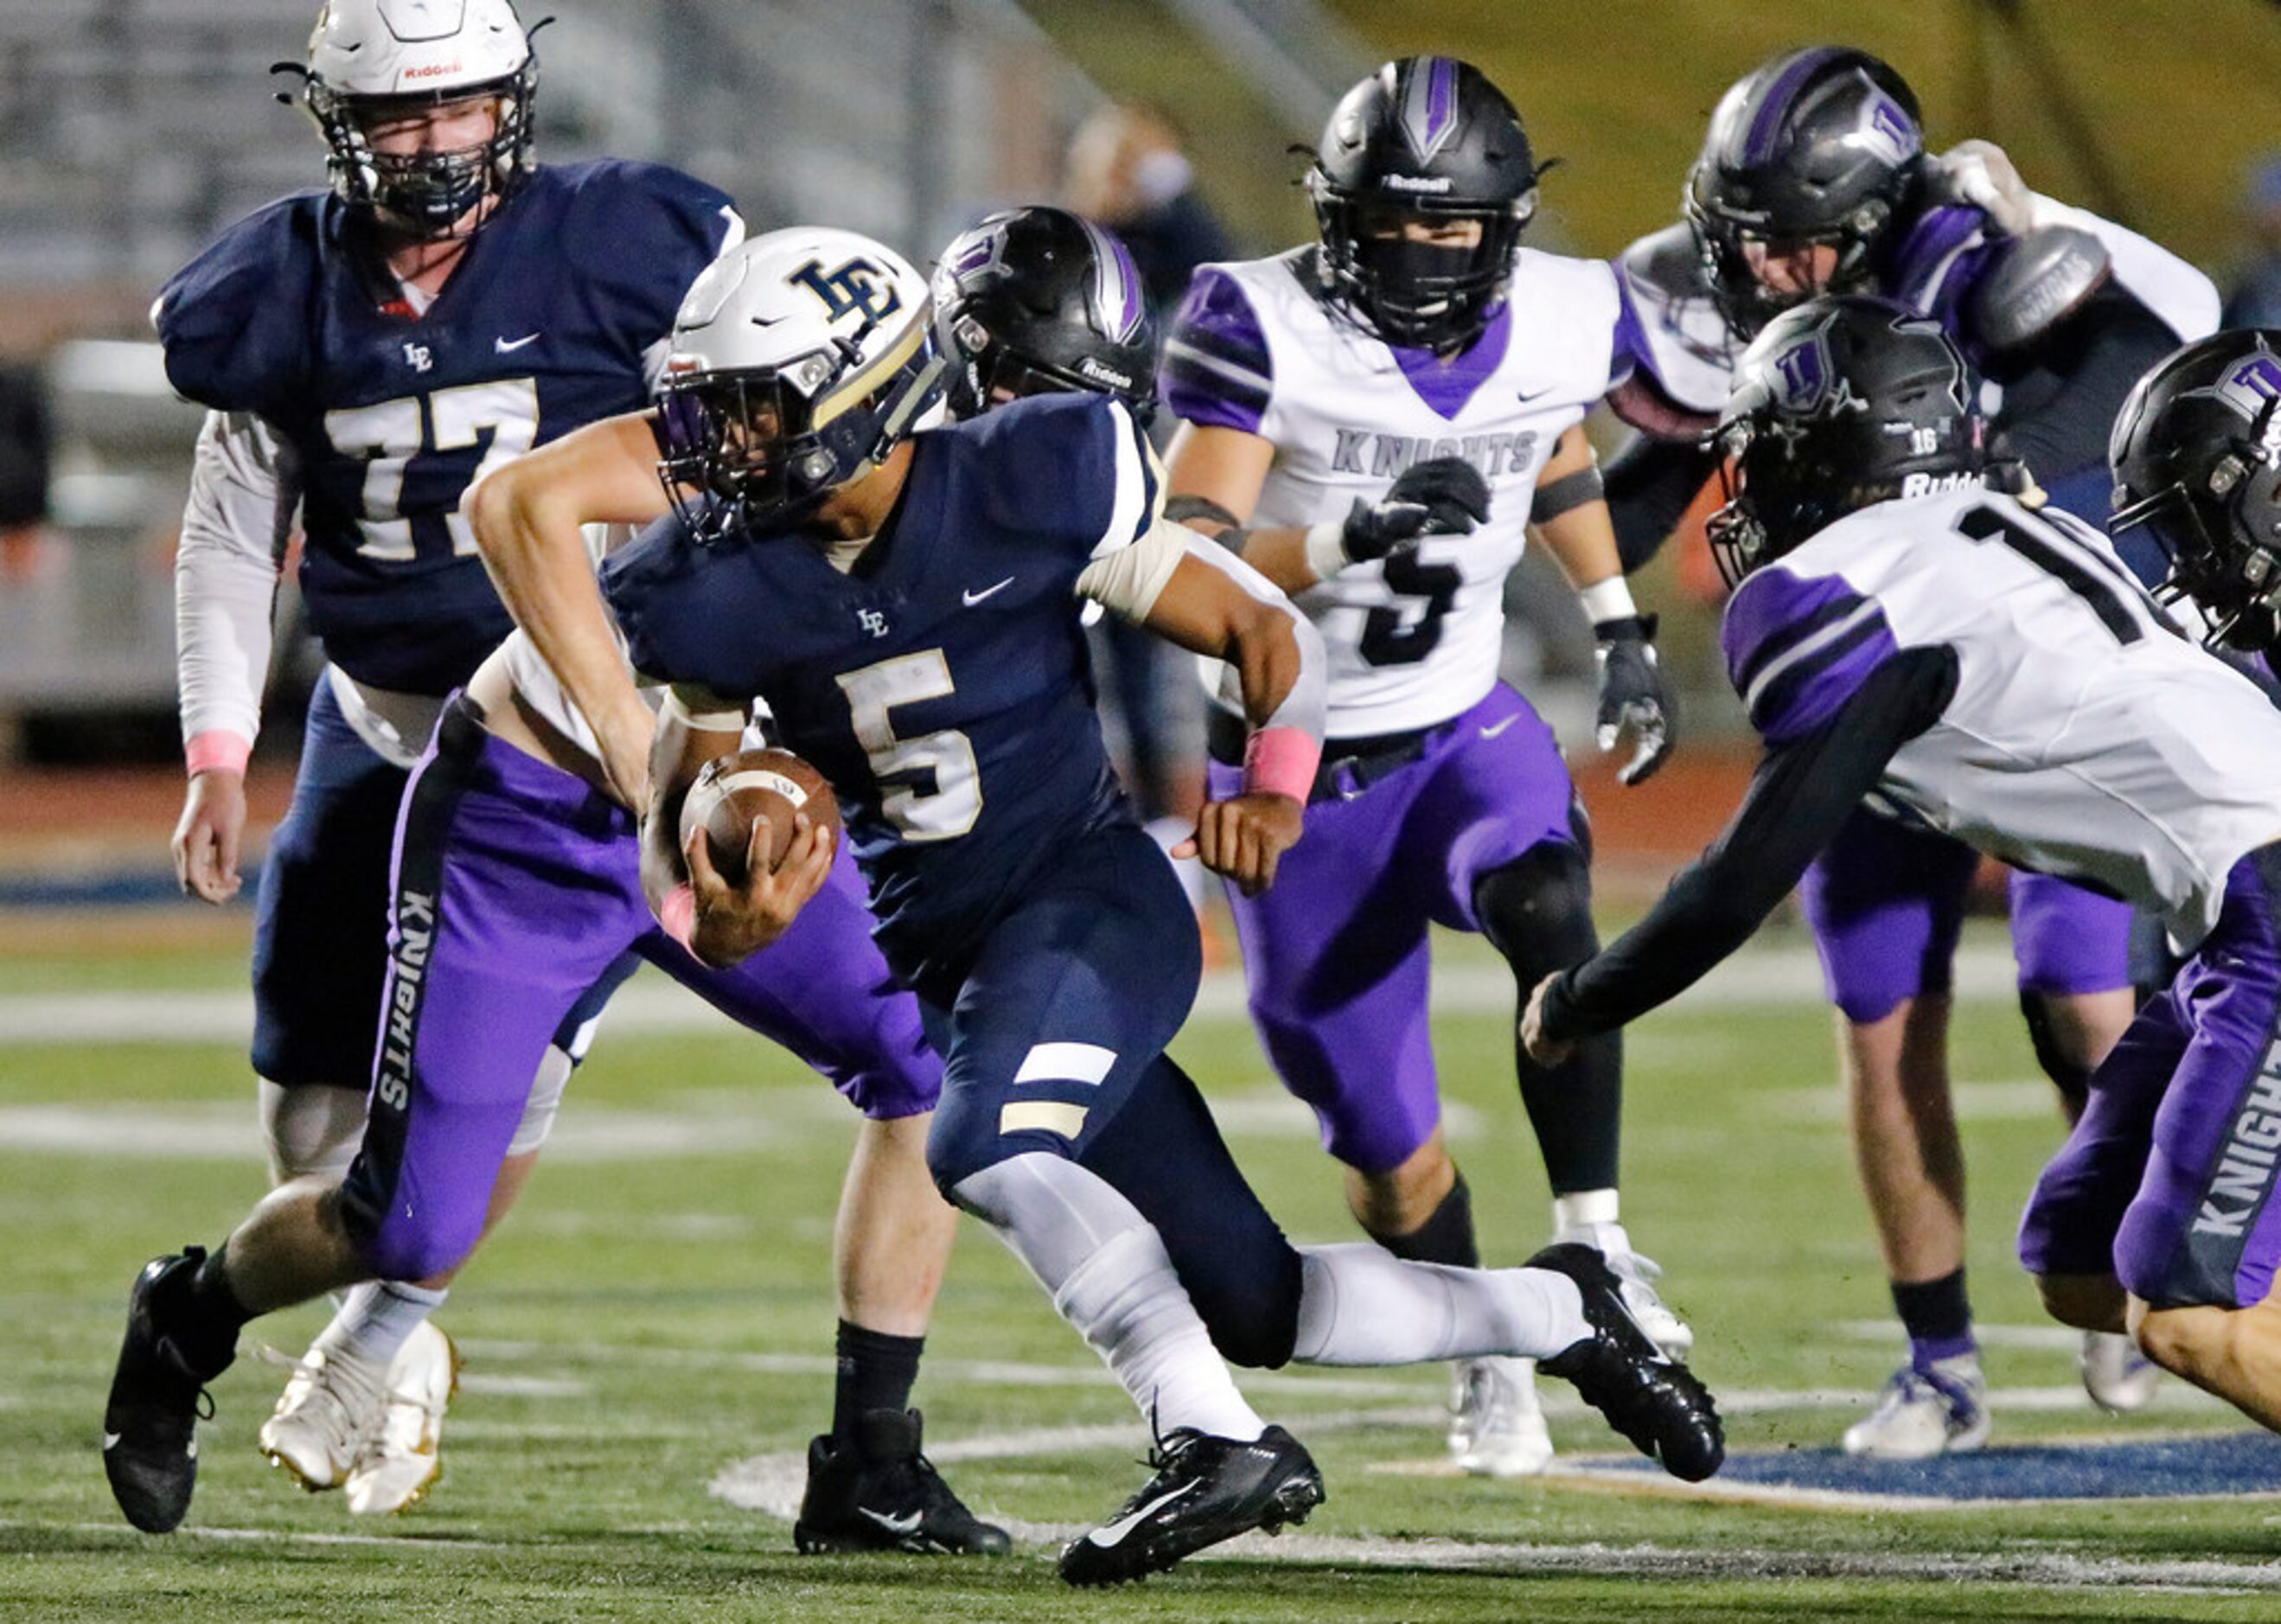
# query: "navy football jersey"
942 686
542 328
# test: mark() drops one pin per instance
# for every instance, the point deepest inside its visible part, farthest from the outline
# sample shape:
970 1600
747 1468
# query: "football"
731 791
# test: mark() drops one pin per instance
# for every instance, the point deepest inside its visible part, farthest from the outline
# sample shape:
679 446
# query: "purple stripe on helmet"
1429 105
979 253
1116 285
1758 146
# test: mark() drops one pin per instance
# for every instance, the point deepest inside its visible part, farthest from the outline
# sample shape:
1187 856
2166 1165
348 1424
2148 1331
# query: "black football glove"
1444 496
1632 694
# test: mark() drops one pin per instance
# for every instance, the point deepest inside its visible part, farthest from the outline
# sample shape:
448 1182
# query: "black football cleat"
1654 1401
150 1424
877 1492
1206 1490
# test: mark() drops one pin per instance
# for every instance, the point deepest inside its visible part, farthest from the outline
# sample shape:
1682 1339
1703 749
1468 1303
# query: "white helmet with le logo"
376 59
799 358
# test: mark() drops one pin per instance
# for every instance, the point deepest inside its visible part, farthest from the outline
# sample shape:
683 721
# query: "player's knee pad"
2070 1076
1537 910
553 1076
310 1129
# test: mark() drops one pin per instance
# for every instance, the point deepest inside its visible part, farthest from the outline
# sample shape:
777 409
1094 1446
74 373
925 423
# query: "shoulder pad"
2033 283
233 322
1668 262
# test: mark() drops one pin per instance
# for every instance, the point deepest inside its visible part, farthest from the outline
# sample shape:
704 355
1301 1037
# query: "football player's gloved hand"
1442 496
1632 694
1981 173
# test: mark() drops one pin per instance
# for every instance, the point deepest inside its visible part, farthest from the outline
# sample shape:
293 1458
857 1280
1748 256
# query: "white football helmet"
800 359
370 58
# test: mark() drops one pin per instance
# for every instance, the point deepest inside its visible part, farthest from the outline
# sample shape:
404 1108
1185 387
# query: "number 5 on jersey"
904 766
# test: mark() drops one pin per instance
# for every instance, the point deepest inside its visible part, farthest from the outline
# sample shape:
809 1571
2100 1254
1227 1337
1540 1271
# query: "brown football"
733 792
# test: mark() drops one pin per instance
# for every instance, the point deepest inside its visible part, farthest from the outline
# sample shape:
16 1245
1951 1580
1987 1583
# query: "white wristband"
1606 600
1326 548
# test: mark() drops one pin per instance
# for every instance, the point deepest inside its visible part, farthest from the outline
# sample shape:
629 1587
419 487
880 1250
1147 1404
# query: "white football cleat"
1496 1429
1637 1274
2117 1376
1940 1409
326 1420
404 1458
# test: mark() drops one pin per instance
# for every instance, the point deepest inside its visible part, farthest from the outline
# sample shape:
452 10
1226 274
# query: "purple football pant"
2165 1182
516 884
1886 902
1335 952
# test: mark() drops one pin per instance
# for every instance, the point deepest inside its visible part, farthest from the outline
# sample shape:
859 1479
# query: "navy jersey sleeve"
1074 471
234 321
657 581
652 230
1800 647
1216 370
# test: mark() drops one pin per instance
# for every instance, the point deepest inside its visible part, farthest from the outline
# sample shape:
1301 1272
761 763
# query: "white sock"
1580 1208
376 1322
1360 1305
1109 1276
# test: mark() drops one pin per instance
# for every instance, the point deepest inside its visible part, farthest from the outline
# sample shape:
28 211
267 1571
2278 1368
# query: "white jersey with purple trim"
2087 738
1413 640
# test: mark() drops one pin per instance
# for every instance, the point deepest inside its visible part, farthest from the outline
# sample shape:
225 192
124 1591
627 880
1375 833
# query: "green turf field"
656 1321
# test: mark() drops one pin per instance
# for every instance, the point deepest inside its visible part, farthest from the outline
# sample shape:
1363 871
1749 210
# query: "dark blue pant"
1054 1043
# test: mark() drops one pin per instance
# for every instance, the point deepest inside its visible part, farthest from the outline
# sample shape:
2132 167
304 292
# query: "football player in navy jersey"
1903 626
366 353
908 605
1814 177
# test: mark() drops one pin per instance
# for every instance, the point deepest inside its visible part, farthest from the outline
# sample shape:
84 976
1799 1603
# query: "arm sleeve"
2089 365
1802 792
234 527
1650 484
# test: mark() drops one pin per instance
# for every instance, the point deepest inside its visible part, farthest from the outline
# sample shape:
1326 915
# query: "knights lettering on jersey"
2087 738
546 325
1414 640
942 684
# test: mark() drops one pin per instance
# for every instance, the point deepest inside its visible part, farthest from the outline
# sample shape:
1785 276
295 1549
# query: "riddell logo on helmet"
434 70
1094 370
1930 484
1416 183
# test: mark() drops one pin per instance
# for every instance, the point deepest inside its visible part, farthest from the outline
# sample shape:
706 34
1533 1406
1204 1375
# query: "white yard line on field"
1778 975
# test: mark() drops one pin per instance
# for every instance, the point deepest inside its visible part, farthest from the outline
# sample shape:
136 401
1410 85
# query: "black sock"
877 1371
1446 1237
211 1316
1937 1316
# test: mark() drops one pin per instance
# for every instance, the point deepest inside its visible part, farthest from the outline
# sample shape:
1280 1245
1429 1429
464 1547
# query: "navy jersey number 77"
942 685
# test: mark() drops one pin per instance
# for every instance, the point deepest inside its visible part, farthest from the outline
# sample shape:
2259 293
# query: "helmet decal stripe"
1116 285
1429 105
1758 146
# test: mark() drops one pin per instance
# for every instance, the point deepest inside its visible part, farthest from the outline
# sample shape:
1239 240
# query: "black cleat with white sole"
1653 1400
1206 1490
875 1492
149 1423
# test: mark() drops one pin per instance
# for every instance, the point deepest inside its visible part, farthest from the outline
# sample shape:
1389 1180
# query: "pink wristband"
1281 761
217 750
679 914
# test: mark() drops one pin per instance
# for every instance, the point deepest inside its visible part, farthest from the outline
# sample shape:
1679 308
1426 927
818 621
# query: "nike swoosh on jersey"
1494 728
901 1527
508 346
971 598
110 1442
1111 1534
